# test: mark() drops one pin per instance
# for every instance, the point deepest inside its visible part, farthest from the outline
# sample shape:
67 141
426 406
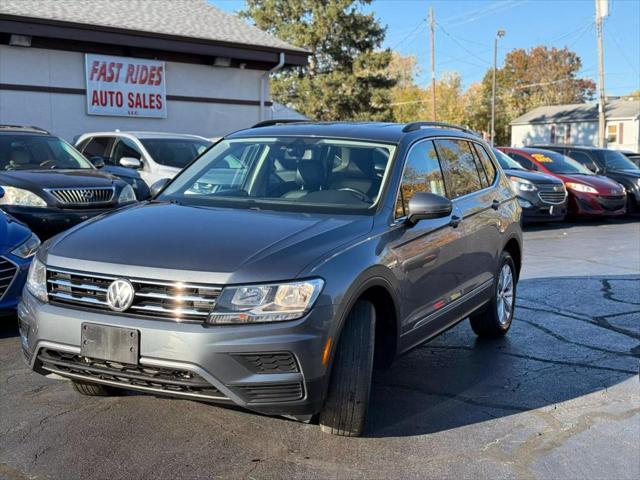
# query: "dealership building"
73 66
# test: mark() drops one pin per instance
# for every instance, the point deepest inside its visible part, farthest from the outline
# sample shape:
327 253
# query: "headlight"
127 195
27 249
580 187
522 184
265 303
19 196
37 280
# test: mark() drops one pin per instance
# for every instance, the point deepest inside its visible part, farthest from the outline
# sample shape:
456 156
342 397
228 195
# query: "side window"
124 148
523 161
96 147
458 161
584 159
422 173
487 164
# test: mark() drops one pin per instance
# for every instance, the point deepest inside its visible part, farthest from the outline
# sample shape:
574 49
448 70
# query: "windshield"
285 173
38 152
558 163
616 161
174 152
506 162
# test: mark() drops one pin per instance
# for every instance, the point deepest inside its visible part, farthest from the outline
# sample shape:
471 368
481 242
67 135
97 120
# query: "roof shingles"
195 19
580 112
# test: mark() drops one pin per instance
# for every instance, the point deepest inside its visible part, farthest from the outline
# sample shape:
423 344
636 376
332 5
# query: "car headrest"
360 158
310 175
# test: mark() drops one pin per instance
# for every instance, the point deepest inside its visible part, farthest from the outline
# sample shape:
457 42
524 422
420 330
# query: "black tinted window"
522 160
458 160
125 148
487 164
584 159
38 152
96 147
422 173
174 152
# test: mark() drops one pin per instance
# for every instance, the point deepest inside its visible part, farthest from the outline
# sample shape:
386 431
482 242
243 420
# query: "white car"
154 155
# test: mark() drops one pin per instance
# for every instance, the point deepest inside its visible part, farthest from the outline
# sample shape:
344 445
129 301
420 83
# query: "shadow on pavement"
570 337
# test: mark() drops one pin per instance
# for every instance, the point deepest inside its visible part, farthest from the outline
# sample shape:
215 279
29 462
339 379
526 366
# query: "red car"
589 194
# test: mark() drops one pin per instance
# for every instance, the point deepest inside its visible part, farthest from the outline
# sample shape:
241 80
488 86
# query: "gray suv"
278 268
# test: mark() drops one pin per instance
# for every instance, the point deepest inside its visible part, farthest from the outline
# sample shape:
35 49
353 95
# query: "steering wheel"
361 195
49 162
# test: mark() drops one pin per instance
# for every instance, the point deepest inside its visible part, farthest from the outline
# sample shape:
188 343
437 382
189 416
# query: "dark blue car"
17 247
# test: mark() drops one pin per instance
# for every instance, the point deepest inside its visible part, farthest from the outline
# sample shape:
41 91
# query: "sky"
465 31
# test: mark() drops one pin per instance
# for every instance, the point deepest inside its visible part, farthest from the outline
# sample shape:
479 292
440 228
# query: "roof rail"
413 126
269 123
25 127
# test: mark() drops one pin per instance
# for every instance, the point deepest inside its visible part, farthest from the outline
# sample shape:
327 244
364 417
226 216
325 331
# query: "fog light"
524 203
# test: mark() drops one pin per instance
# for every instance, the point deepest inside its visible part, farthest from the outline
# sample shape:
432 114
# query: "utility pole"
499 34
601 11
432 28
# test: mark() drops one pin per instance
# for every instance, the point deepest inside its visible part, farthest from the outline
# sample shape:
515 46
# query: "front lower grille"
552 193
8 271
612 202
265 393
141 377
81 197
155 299
283 362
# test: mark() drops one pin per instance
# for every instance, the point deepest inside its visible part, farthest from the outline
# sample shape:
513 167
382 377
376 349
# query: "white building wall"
65 114
582 133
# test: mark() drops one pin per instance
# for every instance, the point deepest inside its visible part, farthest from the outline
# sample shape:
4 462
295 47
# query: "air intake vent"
268 393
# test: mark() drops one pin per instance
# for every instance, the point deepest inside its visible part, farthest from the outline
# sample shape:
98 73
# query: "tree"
529 79
347 77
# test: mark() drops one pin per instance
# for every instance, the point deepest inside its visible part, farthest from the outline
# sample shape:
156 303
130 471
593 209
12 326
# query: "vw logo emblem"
120 295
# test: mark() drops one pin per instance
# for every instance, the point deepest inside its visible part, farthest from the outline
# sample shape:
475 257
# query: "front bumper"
215 355
49 221
591 205
534 209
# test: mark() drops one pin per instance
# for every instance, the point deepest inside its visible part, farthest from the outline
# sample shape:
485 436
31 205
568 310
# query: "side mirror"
130 162
1 192
97 161
157 186
424 205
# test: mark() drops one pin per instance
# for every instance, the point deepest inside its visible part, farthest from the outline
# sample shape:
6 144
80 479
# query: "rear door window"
458 160
422 173
487 165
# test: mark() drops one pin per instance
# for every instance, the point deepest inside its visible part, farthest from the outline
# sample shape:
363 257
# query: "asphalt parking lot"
558 398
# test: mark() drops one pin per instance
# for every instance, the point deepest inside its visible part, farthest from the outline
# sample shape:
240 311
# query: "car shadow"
8 325
580 221
570 337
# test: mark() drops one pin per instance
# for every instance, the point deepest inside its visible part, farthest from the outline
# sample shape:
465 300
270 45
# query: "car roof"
143 135
384 132
573 147
29 129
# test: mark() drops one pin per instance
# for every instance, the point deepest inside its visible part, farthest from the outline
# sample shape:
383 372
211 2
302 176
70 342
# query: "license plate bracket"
104 342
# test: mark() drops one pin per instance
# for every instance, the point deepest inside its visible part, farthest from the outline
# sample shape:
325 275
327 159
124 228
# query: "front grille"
549 194
163 379
268 362
282 392
612 202
81 197
7 272
154 299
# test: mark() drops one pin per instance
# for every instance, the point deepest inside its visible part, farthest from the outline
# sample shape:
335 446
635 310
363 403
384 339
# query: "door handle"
455 221
495 204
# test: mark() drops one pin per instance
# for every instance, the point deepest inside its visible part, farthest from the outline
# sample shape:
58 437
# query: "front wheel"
495 320
345 408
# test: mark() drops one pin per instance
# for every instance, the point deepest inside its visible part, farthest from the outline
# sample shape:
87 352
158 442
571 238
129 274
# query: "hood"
534 177
209 245
37 179
12 232
604 185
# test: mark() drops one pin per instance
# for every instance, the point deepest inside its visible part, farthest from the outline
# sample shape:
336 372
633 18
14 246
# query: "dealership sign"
126 87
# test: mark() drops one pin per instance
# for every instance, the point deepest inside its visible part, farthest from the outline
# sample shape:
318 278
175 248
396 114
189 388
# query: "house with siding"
578 125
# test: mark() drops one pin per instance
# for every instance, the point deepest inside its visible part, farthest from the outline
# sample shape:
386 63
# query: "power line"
461 45
422 23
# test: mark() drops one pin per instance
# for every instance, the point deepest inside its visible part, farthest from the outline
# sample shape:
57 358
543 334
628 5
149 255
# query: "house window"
560 133
612 134
620 133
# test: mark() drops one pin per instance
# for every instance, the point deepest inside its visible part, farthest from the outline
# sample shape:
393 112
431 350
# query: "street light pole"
499 34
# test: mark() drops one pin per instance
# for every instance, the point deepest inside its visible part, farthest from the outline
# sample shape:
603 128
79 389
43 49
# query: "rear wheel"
495 320
345 409
94 389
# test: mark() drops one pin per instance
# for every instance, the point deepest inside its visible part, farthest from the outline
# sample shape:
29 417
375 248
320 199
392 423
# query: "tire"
490 322
94 389
345 409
